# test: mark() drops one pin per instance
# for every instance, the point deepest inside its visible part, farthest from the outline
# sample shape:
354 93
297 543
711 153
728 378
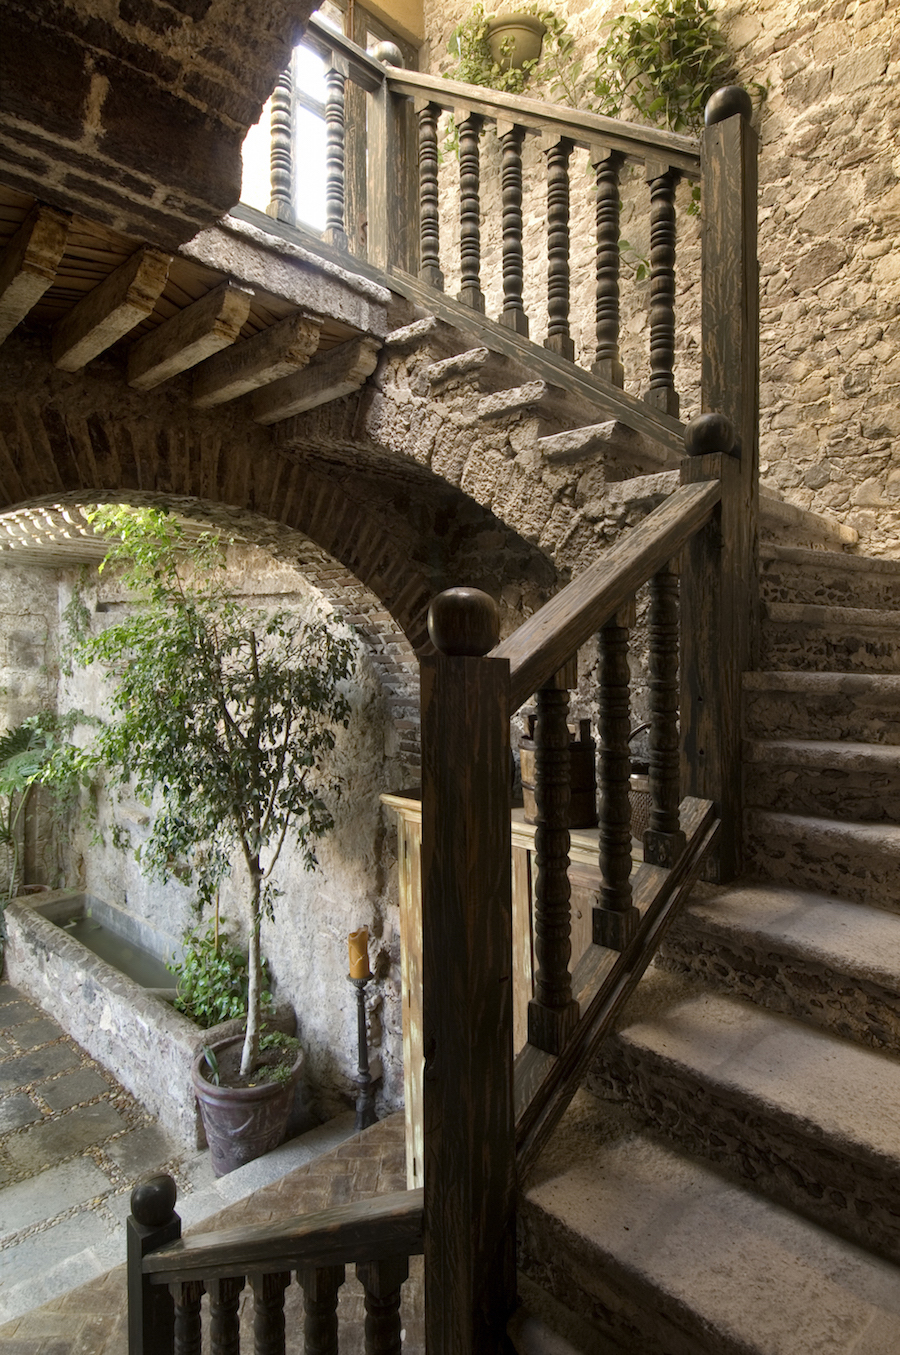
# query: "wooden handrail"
368 1230
545 642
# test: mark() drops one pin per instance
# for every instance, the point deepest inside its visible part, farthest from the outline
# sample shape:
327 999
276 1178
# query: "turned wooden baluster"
664 840
187 1295
320 1324
608 364
552 1012
616 918
381 1281
470 213
429 214
558 338
511 138
661 393
335 77
224 1323
268 1312
281 202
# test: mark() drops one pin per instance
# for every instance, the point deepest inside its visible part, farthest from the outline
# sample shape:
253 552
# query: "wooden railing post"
393 216
335 181
615 917
152 1224
281 159
719 588
466 980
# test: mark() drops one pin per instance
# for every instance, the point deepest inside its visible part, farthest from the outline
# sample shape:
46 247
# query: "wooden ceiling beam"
28 264
344 370
111 309
203 328
277 352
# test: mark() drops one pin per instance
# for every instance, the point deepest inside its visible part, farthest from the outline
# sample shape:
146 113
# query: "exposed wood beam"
344 370
28 264
275 353
113 308
210 324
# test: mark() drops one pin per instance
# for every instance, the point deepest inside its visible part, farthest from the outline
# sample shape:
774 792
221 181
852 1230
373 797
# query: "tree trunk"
250 1052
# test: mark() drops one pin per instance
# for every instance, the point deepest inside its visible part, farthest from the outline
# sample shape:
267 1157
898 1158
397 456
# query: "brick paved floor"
92 1320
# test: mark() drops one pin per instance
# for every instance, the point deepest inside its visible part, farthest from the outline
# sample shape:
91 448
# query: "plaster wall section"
353 885
828 250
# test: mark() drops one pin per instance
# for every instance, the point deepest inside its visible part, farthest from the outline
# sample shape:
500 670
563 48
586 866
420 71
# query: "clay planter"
242 1123
527 34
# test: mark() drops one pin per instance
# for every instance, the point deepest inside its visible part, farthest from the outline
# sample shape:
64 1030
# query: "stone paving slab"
48 1195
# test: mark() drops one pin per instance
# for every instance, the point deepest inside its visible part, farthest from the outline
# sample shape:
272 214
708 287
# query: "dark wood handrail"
369 1230
541 645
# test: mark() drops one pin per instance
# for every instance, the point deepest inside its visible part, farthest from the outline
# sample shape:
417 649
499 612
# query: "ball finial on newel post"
153 1201
726 102
706 434
388 53
464 621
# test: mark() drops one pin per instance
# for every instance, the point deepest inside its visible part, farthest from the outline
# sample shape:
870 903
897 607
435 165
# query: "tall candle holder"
359 976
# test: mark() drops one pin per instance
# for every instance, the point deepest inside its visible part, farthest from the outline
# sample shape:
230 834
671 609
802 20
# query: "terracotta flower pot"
515 39
242 1123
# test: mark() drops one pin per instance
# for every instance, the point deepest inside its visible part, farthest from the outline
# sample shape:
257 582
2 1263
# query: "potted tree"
228 716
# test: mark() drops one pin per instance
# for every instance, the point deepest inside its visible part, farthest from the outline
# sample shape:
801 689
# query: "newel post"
466 980
152 1224
392 180
720 608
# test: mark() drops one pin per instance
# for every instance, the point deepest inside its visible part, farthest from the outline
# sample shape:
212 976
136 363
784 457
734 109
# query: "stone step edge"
857 685
819 615
829 559
850 833
822 754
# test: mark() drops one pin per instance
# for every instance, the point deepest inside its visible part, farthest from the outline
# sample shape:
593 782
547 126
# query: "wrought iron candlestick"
359 976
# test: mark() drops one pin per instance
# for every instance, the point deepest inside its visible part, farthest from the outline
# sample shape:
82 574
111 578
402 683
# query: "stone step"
669 1257
847 780
808 1119
859 706
828 639
829 578
853 861
826 961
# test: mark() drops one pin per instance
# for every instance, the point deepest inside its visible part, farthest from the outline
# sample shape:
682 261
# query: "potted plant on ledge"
228 715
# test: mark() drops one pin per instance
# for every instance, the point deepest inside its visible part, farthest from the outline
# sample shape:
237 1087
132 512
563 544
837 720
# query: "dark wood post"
615 917
152 1224
558 340
719 585
429 207
281 134
382 1281
607 165
335 195
511 139
467 990
470 293
664 841
393 225
320 1293
661 392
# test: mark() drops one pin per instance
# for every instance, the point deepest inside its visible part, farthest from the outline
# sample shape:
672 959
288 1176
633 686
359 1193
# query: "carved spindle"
187 1295
513 316
224 1324
616 918
320 1324
268 1312
608 364
662 392
553 1012
381 1281
470 213
664 840
334 158
558 339
281 171
429 214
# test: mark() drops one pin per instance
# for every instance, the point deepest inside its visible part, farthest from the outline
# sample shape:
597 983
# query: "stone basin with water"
100 971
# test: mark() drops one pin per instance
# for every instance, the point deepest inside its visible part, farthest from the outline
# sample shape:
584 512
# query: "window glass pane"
255 183
309 169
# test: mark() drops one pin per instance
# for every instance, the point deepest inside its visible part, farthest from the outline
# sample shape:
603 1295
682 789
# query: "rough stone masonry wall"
353 885
829 256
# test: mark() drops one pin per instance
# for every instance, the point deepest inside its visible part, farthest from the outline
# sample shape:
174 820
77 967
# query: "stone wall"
307 944
829 258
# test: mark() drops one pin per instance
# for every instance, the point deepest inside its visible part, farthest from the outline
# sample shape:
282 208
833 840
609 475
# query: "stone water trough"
124 1024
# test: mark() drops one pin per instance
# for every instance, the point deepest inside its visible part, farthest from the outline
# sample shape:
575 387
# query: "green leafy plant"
227 712
475 64
662 61
31 755
213 978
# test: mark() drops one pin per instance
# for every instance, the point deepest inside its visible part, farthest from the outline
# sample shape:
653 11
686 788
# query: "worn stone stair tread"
849 938
823 683
690 1263
819 560
846 754
831 1091
882 839
826 615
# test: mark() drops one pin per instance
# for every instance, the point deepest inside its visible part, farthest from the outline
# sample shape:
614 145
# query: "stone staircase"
731 1186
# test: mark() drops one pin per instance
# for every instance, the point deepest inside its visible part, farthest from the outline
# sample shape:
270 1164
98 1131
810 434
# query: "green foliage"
475 65
662 60
287 1046
33 753
213 978
229 713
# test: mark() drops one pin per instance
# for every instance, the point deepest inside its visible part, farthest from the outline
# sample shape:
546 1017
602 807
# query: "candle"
359 954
